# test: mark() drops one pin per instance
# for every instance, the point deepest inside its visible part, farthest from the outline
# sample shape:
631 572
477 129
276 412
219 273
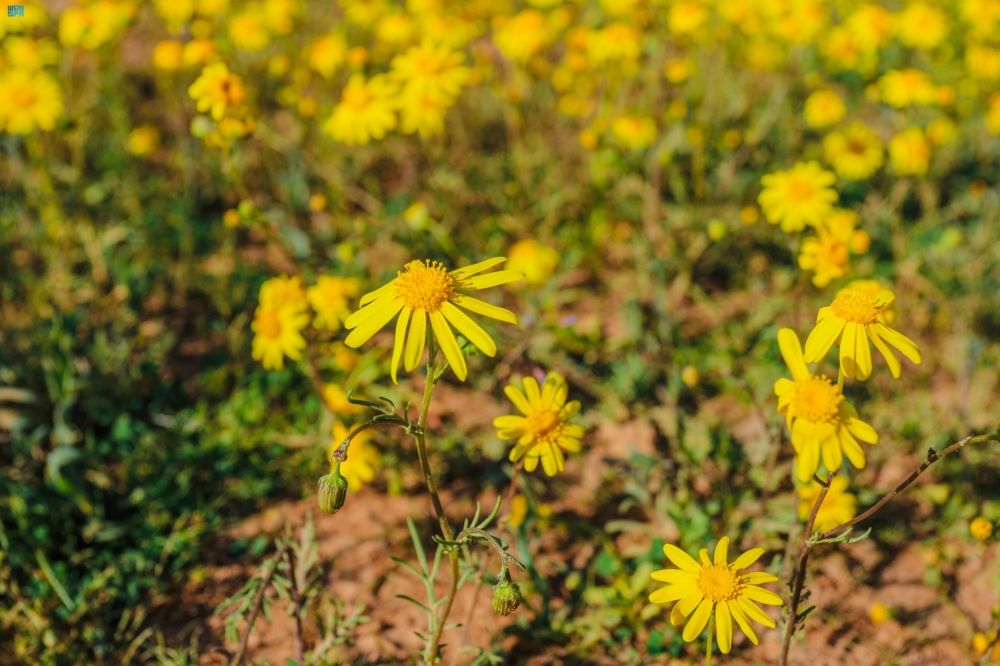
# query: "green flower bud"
332 492
506 596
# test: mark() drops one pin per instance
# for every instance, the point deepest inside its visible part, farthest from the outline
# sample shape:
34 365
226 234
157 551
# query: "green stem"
434 641
708 645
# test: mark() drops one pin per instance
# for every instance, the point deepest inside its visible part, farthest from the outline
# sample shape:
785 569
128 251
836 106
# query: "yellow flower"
536 261
217 90
878 613
327 54
522 35
854 319
423 113
543 431
855 152
329 297
278 333
94 25
283 290
167 54
30 54
921 25
824 108
907 87
28 100
980 528
363 459
143 140
248 30
687 18
426 290
838 507
366 111
822 424
828 253
717 586
910 152
431 70
798 196
635 132
518 511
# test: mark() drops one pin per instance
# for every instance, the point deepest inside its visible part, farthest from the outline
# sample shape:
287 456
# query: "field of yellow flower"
500 332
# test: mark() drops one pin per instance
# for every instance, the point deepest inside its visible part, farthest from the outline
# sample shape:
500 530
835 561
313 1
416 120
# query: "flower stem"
434 640
708 644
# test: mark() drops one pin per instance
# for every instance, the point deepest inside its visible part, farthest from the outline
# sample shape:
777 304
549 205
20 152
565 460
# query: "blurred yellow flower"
366 111
687 17
327 54
827 254
838 507
910 152
907 87
678 70
248 29
93 25
634 132
282 290
143 140
28 100
824 108
278 333
980 528
522 35
822 423
921 25
879 613
30 54
430 69
854 318
796 197
517 512
536 261
542 431
330 299
423 113
426 290
167 54
855 152
217 90
363 459
716 586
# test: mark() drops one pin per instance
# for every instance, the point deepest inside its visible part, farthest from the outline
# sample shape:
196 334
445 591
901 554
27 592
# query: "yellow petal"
808 459
883 348
822 338
680 559
665 595
509 421
399 341
761 595
372 295
483 308
906 346
698 620
416 338
862 430
741 619
760 577
791 351
852 450
532 391
516 397
847 360
470 329
724 627
747 558
676 576
683 608
862 355
832 456
446 340
721 550
492 279
383 311
472 269
751 610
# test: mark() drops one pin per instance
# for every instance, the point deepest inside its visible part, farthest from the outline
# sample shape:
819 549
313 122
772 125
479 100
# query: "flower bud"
506 596
332 492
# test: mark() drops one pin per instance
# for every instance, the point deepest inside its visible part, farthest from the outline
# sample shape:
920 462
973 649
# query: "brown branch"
258 602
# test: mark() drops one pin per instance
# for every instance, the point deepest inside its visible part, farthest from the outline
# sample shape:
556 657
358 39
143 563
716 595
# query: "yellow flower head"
855 152
824 108
535 260
143 140
543 431
980 528
426 290
828 253
822 423
28 100
278 333
717 586
363 459
921 25
327 54
283 290
366 111
907 87
910 152
330 297
431 70
217 90
522 35
838 507
423 113
800 196
854 318
634 132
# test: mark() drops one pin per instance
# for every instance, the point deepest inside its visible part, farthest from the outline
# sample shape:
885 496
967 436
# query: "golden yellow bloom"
853 319
536 261
879 613
824 108
327 54
828 253
330 297
921 25
907 87
336 399
518 512
717 586
980 528
426 290
635 132
822 423
248 30
95 24
855 152
217 90
543 431
366 111
278 333
363 459
28 100
423 113
522 35
910 152
838 507
30 54
143 140
430 70
167 54
800 196
687 18
282 290
981 643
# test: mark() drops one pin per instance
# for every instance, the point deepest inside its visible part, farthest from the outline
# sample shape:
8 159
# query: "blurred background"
161 160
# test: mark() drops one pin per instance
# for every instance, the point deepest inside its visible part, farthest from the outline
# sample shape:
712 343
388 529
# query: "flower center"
816 399
22 97
430 64
424 285
800 190
542 424
356 97
857 147
718 582
835 251
857 306
268 324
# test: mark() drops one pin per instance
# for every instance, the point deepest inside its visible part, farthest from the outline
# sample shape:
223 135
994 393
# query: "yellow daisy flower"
426 291
827 254
366 111
853 318
430 70
538 262
278 333
855 152
329 297
715 586
824 108
838 507
217 90
800 196
910 152
542 431
28 100
822 423
362 461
